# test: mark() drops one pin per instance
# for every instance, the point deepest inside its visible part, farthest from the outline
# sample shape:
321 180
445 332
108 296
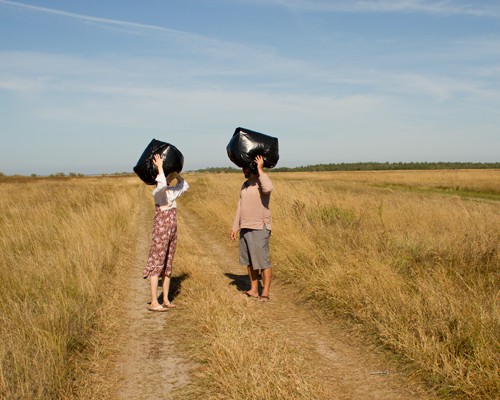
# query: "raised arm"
266 185
180 188
160 178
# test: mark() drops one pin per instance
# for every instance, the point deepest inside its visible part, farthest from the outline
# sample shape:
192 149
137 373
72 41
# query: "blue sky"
85 85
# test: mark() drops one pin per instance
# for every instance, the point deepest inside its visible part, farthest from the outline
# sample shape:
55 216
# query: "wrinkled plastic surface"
245 145
173 161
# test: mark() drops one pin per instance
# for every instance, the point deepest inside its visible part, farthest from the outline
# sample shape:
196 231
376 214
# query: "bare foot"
158 308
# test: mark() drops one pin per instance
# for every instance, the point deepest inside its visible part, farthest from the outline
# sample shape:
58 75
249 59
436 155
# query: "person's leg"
168 270
267 275
166 288
260 253
253 275
155 260
155 305
245 260
153 280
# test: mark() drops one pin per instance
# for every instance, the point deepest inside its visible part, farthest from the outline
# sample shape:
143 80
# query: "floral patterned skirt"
163 244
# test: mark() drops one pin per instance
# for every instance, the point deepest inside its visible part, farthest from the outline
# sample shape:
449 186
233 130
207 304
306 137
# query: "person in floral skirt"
164 238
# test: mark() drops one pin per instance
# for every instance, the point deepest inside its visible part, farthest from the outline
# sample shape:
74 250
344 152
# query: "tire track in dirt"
147 364
349 368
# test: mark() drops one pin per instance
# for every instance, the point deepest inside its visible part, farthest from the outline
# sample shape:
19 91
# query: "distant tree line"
218 170
386 166
359 166
367 166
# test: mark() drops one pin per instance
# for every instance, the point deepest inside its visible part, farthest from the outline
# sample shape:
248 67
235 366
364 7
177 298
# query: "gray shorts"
254 248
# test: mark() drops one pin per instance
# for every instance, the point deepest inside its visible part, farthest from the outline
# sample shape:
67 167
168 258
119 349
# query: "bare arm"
236 223
265 183
158 162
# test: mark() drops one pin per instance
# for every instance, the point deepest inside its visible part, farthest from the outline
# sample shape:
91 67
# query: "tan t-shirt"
253 208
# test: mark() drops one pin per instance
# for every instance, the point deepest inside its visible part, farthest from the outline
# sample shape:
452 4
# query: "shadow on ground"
175 287
241 282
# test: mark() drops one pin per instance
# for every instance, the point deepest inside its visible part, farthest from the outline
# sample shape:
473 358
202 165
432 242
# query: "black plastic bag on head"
245 145
173 161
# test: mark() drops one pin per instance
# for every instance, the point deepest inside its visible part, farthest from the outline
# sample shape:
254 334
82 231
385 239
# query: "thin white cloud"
131 27
39 73
187 41
88 18
20 85
437 7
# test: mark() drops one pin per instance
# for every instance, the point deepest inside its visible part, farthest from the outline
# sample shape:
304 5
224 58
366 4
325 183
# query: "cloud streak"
40 73
88 18
131 27
433 7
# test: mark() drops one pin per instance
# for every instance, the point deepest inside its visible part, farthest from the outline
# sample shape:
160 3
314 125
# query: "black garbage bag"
245 145
173 161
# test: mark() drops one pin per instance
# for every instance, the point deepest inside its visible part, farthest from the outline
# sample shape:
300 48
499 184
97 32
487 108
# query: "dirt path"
148 366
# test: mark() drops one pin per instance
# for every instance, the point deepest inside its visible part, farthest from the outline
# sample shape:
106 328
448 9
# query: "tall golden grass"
417 271
62 242
411 258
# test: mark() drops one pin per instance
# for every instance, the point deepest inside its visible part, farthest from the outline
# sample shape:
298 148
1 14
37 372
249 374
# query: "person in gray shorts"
253 221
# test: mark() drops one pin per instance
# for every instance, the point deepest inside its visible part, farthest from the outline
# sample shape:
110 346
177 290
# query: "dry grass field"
62 243
410 260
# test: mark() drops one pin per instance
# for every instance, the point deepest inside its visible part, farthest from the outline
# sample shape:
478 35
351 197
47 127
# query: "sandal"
264 299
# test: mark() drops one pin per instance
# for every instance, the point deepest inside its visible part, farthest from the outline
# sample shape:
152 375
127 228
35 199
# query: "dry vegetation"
417 272
410 258
242 353
61 245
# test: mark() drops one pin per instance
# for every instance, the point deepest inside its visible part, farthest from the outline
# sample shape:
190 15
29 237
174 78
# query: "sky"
86 85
